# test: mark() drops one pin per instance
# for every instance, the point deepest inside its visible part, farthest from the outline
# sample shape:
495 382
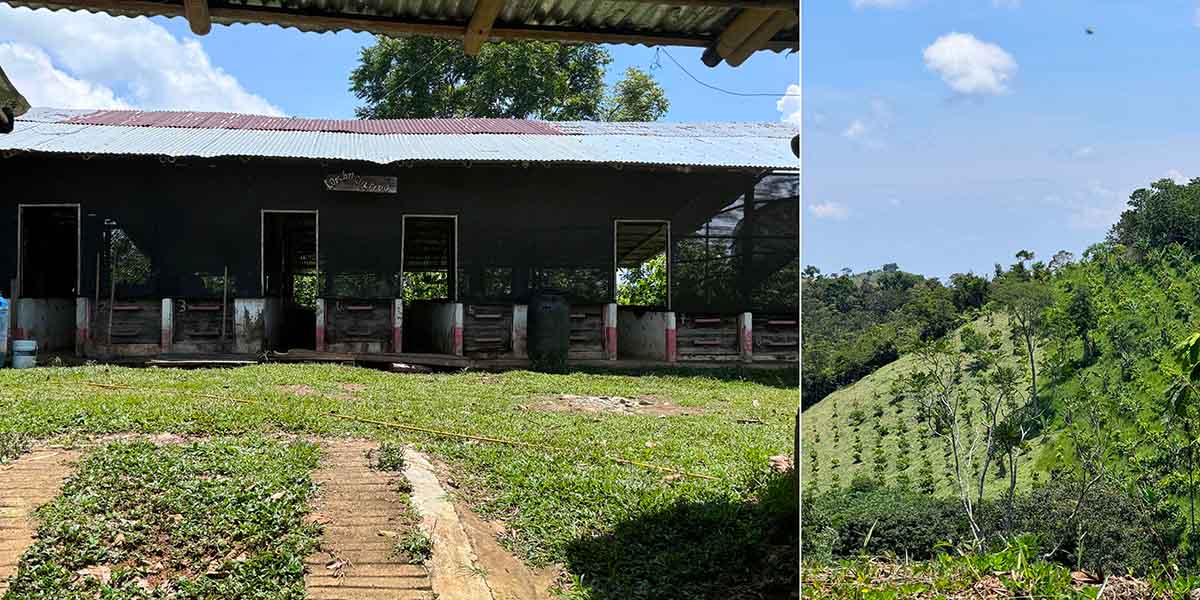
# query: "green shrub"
1117 534
857 416
903 521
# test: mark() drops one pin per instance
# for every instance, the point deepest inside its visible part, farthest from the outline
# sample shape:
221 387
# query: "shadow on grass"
719 550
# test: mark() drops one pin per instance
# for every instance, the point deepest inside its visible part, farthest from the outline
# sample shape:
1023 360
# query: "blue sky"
948 153
97 61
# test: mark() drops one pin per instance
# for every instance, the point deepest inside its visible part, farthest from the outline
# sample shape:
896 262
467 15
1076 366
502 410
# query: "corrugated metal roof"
223 120
758 145
611 21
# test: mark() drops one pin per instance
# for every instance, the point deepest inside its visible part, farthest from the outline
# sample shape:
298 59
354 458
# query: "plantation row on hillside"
1072 393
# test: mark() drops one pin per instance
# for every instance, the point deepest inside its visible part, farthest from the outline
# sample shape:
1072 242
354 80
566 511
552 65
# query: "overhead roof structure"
757 146
730 30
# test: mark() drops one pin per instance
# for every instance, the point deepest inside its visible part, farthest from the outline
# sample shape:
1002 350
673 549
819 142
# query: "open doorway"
48 251
47 275
429 256
641 260
290 273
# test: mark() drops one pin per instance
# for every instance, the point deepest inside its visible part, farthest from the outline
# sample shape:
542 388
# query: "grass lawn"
216 519
621 531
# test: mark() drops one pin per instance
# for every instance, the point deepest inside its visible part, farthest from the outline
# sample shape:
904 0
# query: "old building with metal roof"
161 233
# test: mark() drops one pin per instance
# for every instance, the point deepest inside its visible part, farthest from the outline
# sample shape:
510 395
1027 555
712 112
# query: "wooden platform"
428 360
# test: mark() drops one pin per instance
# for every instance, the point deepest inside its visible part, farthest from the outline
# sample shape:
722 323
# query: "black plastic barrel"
549 330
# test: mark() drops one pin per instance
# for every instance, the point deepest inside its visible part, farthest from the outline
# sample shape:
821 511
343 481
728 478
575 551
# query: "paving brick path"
355 503
25 484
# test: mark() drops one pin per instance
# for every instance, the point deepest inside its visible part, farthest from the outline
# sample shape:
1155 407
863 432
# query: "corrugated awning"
730 29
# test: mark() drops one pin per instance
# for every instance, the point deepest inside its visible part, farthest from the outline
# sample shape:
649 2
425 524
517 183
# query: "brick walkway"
26 483
355 504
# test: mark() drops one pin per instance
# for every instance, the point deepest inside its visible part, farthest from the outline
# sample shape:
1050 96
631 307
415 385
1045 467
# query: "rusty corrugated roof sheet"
731 145
223 120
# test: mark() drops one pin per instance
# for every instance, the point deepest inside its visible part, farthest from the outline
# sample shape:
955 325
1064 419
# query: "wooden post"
95 308
112 297
224 300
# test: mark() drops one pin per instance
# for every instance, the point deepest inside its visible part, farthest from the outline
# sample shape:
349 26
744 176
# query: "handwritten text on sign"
349 182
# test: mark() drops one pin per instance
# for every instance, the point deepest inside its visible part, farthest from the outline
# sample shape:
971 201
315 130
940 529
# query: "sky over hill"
947 135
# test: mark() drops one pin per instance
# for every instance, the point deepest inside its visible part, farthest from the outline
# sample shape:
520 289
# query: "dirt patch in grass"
298 389
353 387
642 405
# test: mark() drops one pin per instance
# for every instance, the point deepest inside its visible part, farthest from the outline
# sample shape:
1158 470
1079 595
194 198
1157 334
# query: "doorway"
291 273
48 251
429 259
642 262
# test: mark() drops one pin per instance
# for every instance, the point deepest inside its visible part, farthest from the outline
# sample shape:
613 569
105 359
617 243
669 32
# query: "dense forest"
855 323
1059 399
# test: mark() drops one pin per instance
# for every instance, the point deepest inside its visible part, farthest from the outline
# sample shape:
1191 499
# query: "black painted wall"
199 216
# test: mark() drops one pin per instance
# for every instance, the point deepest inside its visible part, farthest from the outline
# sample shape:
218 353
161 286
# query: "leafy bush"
1117 536
899 521
857 416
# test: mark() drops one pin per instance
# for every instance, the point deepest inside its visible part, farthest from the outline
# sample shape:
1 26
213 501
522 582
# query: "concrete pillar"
397 325
83 324
745 328
320 325
458 329
610 331
672 349
520 330
168 324
249 325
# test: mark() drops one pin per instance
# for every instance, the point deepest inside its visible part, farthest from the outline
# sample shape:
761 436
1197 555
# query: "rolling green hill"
870 413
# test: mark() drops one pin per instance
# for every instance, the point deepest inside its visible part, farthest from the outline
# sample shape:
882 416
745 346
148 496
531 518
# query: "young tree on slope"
1025 298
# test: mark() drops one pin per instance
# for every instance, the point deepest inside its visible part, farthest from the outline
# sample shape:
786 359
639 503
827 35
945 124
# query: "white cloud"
856 130
879 3
829 210
970 66
117 61
1096 208
1176 176
865 130
1196 17
43 84
789 105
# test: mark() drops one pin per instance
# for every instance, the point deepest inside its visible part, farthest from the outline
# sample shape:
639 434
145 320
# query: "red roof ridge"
228 120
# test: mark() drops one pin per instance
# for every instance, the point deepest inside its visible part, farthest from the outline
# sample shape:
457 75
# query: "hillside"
870 412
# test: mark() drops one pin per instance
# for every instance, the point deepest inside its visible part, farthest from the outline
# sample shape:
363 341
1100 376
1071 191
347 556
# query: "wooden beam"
779 21
746 23
385 26
480 27
197 15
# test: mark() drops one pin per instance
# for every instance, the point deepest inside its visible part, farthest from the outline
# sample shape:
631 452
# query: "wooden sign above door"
349 182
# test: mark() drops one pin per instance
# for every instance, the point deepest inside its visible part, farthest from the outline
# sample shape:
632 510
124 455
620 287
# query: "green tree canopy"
1163 214
421 77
